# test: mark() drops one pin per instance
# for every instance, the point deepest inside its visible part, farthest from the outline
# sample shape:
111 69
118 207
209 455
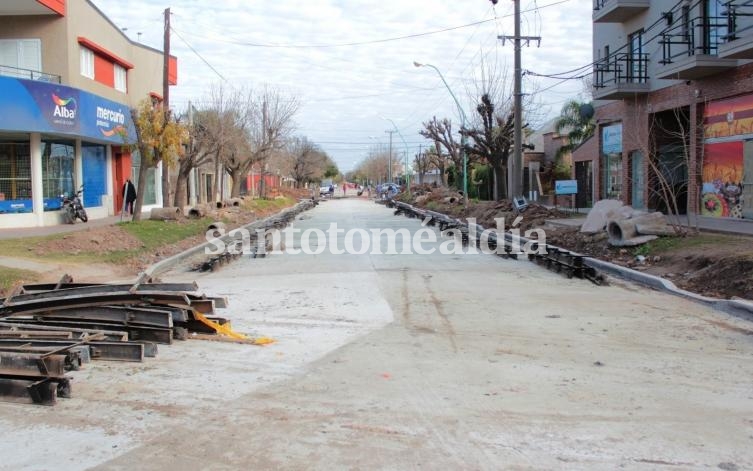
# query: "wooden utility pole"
515 168
166 105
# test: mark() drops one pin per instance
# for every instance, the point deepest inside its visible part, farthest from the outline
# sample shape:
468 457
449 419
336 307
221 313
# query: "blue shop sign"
33 106
611 139
566 187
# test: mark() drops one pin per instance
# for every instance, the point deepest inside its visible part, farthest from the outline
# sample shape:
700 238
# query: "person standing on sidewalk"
129 195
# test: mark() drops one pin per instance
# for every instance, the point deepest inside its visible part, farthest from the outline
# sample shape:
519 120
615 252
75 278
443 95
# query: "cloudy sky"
350 62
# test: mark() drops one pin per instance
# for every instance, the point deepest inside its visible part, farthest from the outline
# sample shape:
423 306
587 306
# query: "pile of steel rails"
255 247
506 245
47 330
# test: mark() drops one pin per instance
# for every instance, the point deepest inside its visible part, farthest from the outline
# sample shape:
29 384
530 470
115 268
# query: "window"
21 57
120 78
637 66
87 63
57 172
15 177
94 159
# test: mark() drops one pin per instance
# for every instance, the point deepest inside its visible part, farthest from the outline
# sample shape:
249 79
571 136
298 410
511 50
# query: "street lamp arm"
463 118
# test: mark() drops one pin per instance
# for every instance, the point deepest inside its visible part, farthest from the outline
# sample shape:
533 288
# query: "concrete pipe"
622 230
217 228
171 213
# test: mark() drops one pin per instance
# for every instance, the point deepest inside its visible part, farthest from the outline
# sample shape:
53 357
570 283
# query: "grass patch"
10 276
665 245
155 234
262 205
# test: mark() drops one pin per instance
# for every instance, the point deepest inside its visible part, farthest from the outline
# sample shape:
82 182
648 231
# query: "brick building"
673 89
68 78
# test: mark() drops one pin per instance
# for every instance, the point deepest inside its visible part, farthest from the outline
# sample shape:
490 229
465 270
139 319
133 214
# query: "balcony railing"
621 68
698 36
737 11
29 74
738 42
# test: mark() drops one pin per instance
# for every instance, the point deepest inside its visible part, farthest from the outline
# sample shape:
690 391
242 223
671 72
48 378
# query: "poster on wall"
730 117
721 195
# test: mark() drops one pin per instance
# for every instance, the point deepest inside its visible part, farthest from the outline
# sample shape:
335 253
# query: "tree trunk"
140 190
237 177
217 180
180 198
500 182
165 184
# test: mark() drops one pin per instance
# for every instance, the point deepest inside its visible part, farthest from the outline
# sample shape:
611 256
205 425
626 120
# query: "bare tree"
492 143
440 133
269 121
200 150
422 164
306 161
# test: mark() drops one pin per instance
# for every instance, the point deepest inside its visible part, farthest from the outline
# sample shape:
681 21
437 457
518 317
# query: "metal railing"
735 11
29 74
692 37
621 68
599 4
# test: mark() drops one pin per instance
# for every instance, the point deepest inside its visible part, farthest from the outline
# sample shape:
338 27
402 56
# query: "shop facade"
55 139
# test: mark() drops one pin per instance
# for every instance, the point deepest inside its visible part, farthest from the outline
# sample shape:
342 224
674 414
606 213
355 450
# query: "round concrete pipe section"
622 230
217 228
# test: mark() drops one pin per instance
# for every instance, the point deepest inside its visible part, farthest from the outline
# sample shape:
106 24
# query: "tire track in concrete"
449 329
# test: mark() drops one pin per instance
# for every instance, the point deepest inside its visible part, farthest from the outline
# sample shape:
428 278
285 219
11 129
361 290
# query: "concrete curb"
738 308
170 262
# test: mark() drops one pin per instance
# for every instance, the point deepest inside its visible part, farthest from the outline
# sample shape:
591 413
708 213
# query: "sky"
350 62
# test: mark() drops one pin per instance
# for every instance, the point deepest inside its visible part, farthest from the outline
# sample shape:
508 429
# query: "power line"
198 55
374 41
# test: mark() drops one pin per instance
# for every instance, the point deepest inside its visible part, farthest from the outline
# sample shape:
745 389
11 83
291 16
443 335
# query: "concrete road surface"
413 362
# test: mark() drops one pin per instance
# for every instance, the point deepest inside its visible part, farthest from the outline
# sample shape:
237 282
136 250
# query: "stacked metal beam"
48 329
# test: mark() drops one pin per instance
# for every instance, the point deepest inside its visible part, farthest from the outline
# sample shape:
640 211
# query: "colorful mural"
723 162
721 195
731 117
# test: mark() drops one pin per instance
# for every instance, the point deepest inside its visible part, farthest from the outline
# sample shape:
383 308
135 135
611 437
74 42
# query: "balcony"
738 43
621 76
690 49
618 11
15 72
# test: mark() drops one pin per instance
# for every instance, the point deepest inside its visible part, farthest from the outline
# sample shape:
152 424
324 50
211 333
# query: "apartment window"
20 57
120 78
636 66
87 63
715 25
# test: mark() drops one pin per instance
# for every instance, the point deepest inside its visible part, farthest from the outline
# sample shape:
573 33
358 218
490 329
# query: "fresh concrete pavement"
413 362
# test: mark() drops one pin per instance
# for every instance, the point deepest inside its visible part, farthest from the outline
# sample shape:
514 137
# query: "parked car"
387 190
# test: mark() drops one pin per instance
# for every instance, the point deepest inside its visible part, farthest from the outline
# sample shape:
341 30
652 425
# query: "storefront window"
15 177
57 172
611 151
150 196
613 174
94 158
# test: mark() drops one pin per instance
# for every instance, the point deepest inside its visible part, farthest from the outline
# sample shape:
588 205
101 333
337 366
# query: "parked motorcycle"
73 208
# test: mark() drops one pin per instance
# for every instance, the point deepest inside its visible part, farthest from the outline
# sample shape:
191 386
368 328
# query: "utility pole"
166 105
515 179
389 169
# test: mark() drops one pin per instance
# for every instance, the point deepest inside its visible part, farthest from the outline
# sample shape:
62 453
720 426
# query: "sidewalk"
19 232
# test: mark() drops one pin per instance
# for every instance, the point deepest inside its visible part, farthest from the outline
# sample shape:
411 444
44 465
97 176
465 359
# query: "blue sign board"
566 187
34 106
611 139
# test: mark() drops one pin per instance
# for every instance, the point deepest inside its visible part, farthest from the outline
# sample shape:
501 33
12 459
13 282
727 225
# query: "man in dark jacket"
129 195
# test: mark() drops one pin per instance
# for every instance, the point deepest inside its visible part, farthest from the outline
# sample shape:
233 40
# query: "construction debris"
49 329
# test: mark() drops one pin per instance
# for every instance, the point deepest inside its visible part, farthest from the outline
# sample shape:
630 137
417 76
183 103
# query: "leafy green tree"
578 121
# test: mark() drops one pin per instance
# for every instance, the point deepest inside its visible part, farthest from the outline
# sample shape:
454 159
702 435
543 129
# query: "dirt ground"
714 265
102 240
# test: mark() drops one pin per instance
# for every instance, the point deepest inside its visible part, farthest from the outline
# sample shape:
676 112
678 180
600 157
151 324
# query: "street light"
464 124
407 172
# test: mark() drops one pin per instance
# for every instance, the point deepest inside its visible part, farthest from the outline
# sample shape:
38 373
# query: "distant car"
387 190
323 190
